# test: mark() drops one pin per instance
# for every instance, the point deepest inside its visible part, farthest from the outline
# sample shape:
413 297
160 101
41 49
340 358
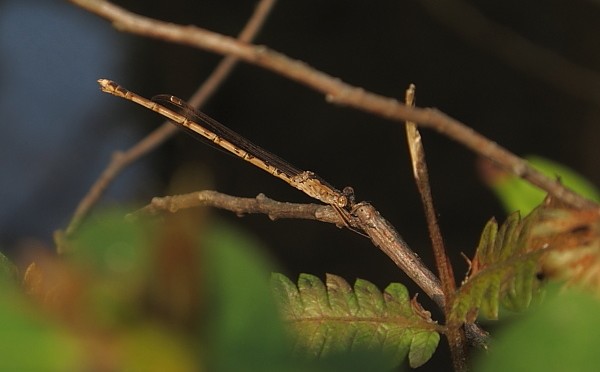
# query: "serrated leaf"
503 271
333 317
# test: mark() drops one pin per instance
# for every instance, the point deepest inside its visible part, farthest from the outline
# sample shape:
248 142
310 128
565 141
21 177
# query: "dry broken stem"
455 335
334 89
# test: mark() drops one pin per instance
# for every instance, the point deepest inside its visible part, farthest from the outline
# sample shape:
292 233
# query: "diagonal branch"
334 89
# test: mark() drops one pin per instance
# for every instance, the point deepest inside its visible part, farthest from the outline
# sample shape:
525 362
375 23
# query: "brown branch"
241 206
334 89
122 160
455 335
421 176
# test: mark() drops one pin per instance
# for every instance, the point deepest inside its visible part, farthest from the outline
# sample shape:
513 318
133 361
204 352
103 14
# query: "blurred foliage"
516 194
168 295
560 334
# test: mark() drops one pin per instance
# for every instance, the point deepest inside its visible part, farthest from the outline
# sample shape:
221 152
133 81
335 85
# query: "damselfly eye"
342 201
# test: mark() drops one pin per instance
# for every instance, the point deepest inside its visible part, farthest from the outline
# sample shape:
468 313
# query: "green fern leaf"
333 317
503 271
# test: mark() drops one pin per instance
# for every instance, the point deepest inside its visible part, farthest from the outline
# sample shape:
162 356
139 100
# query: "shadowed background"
58 129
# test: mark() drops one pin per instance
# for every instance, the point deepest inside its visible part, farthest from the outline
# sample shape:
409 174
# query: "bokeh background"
490 64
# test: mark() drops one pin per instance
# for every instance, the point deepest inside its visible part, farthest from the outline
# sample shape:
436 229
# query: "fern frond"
334 317
503 271
553 240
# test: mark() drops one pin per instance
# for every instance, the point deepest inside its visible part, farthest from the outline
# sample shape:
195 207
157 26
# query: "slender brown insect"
204 127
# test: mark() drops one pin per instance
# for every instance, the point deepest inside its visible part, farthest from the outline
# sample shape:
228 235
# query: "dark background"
58 130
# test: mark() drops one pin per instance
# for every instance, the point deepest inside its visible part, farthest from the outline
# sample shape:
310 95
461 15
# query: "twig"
421 175
381 232
386 238
335 90
122 160
240 206
455 336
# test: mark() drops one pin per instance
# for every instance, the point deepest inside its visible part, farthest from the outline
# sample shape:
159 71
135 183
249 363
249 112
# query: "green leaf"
116 257
561 334
243 329
519 195
333 317
503 271
30 343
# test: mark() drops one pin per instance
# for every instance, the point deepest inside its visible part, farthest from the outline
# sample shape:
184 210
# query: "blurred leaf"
8 271
153 348
334 317
519 195
30 343
114 258
573 240
559 335
243 328
110 246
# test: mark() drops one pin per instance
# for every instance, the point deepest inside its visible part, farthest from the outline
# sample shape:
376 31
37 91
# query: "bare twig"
421 175
335 90
122 160
240 206
455 336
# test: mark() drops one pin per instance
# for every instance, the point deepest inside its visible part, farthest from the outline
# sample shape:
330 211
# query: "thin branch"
335 90
240 206
421 176
455 336
122 160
